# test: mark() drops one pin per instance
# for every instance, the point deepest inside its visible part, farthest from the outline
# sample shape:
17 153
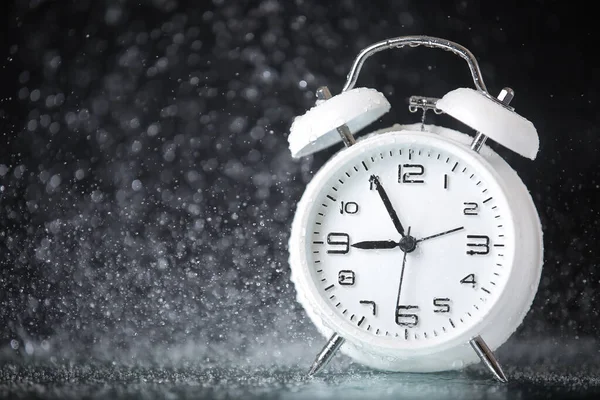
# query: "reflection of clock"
412 246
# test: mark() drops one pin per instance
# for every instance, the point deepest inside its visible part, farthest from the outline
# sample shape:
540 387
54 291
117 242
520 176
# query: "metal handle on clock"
504 97
415 41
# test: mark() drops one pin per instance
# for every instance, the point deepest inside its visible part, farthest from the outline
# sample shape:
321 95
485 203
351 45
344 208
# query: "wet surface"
109 382
536 370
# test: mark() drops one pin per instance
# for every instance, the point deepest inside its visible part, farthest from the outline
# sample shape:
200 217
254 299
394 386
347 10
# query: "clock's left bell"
317 128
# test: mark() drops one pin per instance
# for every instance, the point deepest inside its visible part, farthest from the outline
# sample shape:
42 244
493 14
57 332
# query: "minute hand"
388 205
441 234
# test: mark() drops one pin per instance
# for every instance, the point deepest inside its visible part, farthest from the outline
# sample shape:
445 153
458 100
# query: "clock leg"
325 355
505 97
487 356
323 93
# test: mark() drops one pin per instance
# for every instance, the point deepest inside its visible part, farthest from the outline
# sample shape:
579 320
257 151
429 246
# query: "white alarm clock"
417 248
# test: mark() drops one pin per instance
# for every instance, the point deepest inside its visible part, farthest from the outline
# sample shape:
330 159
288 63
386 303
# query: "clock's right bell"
495 120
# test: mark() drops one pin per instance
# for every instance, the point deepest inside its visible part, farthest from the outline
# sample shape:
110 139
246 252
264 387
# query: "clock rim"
321 312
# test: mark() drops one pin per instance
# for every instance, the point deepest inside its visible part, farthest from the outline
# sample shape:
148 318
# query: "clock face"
410 242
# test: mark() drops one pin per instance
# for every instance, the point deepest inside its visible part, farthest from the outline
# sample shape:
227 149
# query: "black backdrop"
146 190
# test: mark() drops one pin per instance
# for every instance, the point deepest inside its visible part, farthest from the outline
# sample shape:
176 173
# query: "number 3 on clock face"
454 221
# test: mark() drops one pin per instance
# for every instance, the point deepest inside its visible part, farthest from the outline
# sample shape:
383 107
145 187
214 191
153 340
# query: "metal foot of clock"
477 343
487 357
333 345
414 243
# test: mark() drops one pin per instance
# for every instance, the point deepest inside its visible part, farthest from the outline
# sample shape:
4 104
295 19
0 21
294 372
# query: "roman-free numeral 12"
410 173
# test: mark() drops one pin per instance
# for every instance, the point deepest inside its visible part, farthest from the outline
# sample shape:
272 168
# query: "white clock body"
479 279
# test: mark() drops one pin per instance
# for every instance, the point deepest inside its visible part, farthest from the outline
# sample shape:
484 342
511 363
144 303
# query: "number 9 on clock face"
406 245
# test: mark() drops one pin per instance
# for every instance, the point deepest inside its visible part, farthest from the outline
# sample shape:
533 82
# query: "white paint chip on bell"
491 118
317 128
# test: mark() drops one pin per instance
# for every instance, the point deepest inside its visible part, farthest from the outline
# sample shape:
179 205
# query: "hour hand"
376 244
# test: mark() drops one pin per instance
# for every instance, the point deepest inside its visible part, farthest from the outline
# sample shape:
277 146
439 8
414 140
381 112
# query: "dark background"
146 189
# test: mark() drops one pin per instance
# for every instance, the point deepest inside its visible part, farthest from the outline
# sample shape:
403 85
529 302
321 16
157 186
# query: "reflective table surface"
536 370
